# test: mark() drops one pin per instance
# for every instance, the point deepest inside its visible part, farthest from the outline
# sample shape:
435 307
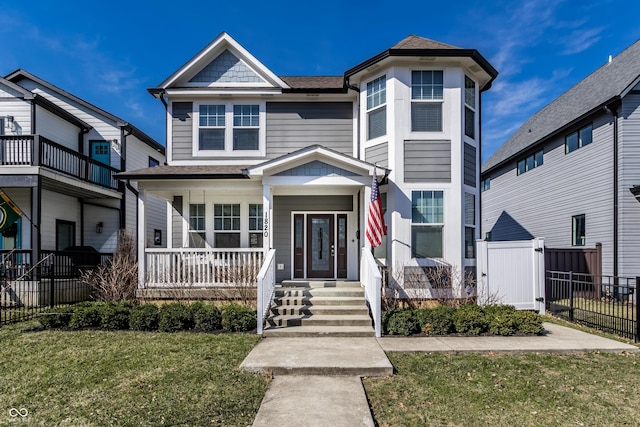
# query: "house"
261 164
566 174
58 158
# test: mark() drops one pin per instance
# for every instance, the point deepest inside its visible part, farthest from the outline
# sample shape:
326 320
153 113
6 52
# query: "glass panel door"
320 249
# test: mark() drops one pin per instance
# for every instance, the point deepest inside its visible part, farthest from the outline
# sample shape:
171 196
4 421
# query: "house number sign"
266 224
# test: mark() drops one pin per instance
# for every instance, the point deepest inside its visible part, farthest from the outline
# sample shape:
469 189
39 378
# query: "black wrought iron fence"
607 303
28 288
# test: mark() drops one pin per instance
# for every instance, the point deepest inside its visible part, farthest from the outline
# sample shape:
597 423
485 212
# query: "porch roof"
186 172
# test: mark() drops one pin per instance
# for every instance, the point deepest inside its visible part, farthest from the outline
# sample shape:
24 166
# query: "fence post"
51 285
636 336
571 296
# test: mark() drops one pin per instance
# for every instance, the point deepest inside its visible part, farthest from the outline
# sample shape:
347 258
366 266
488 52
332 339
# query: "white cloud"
579 41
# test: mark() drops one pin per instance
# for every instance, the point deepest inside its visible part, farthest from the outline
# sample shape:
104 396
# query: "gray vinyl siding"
629 175
378 154
282 208
176 222
427 161
542 201
295 125
470 165
182 130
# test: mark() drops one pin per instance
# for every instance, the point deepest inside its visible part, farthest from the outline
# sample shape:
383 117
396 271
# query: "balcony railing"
36 150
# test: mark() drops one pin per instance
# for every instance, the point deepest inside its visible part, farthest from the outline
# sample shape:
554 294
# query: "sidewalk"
317 381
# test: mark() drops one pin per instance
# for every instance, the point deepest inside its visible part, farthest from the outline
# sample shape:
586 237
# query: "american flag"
375 223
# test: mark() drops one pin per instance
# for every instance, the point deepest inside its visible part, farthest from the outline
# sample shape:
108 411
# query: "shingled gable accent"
189 75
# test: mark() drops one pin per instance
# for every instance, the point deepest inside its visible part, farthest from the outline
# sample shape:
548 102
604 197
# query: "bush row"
170 317
467 319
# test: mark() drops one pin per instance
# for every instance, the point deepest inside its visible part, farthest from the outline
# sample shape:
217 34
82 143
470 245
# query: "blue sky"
109 53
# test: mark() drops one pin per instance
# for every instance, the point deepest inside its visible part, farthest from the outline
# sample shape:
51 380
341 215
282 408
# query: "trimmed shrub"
238 318
115 315
498 310
503 324
144 317
386 315
56 317
529 322
86 315
470 319
404 322
440 320
207 318
175 317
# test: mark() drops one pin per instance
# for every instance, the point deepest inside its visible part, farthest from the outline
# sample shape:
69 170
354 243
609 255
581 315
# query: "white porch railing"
371 280
266 287
202 267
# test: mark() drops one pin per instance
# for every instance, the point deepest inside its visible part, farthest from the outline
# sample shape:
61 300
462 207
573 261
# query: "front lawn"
126 378
526 390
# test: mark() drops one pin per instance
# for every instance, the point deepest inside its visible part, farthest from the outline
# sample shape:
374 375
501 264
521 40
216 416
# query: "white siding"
56 129
541 202
110 218
57 206
21 112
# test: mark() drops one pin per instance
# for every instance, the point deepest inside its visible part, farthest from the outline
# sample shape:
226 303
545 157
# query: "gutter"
614 112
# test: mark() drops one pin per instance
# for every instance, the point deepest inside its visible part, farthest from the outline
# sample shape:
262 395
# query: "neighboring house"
566 174
259 162
58 158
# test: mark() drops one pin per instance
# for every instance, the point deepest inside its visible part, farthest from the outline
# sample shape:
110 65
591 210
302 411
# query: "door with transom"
320 245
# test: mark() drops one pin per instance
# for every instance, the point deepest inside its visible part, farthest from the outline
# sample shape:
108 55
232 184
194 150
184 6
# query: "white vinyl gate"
511 273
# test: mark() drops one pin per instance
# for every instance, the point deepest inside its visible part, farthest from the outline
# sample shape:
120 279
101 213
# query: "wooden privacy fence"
584 261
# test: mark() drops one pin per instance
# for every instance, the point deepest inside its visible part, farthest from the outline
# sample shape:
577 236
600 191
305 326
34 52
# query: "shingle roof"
314 82
185 172
416 42
599 88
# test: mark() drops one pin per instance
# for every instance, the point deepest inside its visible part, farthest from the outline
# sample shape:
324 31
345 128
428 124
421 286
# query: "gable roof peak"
413 41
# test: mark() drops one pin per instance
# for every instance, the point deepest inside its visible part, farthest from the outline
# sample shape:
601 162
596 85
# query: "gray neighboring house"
571 173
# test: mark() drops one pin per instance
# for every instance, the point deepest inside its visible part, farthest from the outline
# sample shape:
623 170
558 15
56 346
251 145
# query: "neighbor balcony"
36 150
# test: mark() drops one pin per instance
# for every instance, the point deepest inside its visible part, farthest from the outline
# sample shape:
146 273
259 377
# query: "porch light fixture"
99 227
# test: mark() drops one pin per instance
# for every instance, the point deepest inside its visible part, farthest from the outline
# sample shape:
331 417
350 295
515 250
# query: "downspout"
33 117
81 135
479 228
614 113
81 221
135 193
357 90
123 167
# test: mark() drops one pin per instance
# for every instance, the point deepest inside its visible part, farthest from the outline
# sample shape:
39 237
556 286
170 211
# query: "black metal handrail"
21 150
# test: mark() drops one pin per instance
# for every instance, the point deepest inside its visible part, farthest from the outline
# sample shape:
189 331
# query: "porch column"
267 212
142 236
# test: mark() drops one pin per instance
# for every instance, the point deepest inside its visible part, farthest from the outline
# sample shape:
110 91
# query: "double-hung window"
578 139
197 237
376 107
255 225
226 225
212 127
427 95
469 226
469 107
427 224
246 127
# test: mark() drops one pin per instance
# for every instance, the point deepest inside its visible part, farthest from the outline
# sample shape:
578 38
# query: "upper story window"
427 223
229 129
578 139
485 184
530 162
578 230
153 162
376 107
469 107
427 94
212 128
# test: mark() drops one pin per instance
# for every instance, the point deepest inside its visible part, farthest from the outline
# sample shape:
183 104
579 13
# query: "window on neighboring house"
530 162
376 107
427 223
246 127
485 184
578 139
197 238
469 226
212 127
226 225
255 225
578 230
153 162
470 107
427 94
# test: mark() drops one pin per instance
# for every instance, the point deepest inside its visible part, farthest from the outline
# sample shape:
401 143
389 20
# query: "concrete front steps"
319 308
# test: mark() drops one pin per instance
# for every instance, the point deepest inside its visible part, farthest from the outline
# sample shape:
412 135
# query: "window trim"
440 225
229 130
580 143
413 101
574 230
470 107
534 159
377 107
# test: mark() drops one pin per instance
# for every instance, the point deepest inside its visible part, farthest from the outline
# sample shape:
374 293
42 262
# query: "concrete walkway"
317 381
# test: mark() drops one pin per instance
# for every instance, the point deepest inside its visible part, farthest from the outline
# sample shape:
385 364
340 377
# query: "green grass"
100 378
526 390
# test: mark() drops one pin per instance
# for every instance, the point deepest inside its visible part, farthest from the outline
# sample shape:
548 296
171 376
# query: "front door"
100 152
320 246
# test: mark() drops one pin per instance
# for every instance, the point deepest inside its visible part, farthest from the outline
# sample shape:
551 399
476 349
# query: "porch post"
267 208
142 236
